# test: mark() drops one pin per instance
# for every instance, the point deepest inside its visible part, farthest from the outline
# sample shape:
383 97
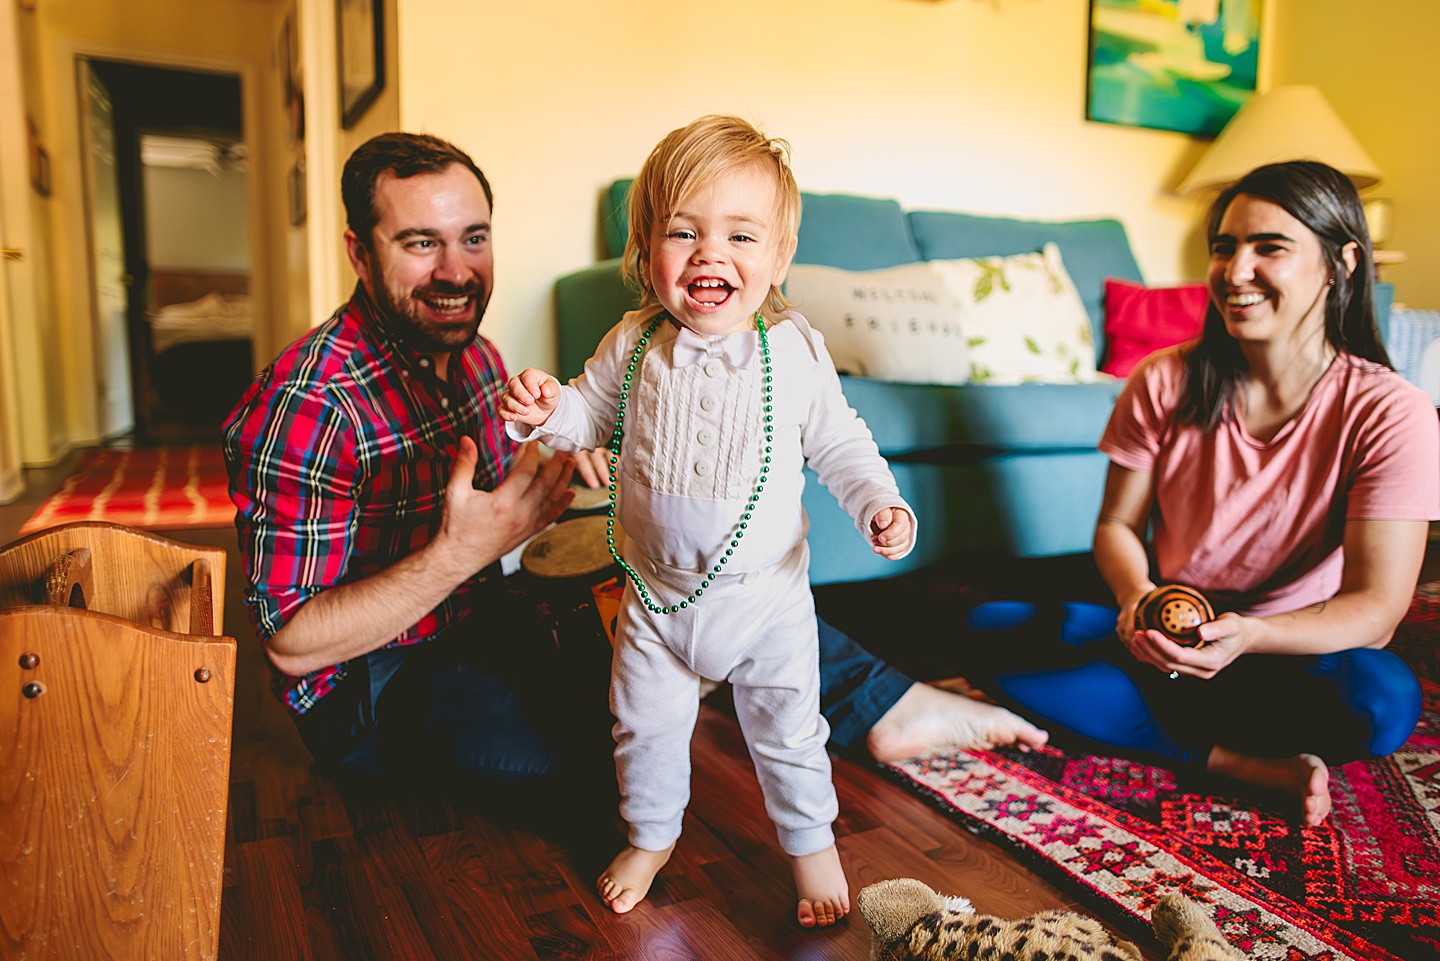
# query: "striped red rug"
157 488
1363 885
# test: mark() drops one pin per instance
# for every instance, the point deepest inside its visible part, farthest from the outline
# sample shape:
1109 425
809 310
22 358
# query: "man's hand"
479 527
890 532
531 396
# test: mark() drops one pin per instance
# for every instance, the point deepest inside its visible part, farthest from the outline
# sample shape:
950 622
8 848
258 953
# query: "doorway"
175 335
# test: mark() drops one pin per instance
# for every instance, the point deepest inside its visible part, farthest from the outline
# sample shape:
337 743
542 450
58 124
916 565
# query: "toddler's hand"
890 532
530 397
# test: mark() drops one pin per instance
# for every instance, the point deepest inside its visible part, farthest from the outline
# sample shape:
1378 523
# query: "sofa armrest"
1384 302
587 304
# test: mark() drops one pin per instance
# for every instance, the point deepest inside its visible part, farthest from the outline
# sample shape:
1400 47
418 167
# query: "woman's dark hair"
1325 201
405 155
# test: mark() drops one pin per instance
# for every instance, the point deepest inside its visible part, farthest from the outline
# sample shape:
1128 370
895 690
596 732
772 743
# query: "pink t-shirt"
1258 527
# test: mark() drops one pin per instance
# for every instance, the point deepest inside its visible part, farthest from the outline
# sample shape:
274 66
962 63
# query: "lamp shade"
1286 123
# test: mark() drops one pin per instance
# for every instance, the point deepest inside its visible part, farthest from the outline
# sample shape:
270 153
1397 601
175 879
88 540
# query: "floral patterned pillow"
1022 317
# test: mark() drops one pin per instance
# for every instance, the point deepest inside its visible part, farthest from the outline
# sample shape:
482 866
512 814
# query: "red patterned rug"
158 488
1364 885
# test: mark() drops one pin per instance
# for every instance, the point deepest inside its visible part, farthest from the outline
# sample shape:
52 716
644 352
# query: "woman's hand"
1125 622
1226 638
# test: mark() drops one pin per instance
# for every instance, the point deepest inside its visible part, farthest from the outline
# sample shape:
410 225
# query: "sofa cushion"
1140 320
853 233
1092 249
1048 502
899 323
953 505
1022 318
1037 417
911 418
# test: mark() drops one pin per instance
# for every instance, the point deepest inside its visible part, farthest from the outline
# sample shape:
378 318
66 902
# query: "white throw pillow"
899 323
1023 318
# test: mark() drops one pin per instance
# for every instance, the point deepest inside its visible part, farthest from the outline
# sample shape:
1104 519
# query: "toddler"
720 394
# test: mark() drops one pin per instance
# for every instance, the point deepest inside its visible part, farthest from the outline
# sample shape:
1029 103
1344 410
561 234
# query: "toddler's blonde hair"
690 159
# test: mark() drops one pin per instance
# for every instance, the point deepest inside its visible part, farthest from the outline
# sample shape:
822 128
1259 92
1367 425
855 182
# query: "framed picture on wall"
295 183
292 82
285 56
39 159
1171 65
360 32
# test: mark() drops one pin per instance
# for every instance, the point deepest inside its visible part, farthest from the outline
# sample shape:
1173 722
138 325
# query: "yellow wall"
37 353
233 36
383 116
1378 64
971 104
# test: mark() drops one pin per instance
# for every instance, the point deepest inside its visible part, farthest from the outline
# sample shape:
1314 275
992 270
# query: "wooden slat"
150 583
202 600
112 787
70 581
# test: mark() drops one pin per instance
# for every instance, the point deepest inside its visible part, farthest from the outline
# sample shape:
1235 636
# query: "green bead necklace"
767 396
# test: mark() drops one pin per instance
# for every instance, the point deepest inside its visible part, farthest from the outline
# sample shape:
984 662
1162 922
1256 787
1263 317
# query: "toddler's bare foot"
628 878
820 882
927 719
1304 776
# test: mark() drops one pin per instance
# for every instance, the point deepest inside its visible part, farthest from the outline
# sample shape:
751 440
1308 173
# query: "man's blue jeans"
515 709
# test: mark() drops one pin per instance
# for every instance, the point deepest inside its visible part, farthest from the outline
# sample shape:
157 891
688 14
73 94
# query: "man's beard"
408 323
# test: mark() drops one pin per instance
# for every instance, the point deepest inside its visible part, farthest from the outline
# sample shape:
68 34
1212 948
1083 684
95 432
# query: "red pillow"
1140 320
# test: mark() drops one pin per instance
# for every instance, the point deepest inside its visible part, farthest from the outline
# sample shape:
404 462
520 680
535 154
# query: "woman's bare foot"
628 878
927 719
820 882
1304 776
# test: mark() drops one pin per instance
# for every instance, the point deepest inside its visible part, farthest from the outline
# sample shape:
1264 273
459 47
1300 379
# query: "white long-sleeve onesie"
692 453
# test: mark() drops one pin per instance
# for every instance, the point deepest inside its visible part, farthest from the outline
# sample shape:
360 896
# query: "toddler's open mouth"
709 291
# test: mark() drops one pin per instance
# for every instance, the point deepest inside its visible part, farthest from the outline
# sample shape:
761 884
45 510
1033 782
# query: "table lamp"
1286 123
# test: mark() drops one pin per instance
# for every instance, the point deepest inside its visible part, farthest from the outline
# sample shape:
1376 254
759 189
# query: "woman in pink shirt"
1280 466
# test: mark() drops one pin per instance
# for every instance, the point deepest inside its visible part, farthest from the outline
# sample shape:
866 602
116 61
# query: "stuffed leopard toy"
912 923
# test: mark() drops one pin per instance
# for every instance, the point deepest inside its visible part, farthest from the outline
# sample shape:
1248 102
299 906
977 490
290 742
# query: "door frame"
20 427
70 223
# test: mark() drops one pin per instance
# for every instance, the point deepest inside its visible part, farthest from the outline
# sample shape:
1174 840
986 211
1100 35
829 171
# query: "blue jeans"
506 706
1061 664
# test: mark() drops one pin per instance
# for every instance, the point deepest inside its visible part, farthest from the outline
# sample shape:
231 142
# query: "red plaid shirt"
338 457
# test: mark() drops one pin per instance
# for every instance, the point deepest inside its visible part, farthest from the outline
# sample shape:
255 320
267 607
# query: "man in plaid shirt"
376 492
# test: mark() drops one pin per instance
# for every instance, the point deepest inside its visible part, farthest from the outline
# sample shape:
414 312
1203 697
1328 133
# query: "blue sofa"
986 467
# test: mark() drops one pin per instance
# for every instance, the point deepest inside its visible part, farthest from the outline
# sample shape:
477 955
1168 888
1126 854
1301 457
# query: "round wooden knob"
1175 611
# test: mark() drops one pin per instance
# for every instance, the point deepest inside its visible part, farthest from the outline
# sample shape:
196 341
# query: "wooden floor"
316 872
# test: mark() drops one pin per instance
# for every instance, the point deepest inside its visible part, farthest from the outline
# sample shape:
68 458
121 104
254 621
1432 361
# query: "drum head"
589 498
572 549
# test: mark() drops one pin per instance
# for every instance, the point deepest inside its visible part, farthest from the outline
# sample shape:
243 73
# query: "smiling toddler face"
714 259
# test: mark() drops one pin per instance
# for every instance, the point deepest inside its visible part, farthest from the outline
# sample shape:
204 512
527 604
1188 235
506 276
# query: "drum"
588 499
1176 611
574 580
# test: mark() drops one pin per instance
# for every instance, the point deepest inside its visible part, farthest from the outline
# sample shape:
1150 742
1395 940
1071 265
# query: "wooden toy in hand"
1175 611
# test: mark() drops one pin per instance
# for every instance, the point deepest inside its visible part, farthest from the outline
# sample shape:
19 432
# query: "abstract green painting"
1183 65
